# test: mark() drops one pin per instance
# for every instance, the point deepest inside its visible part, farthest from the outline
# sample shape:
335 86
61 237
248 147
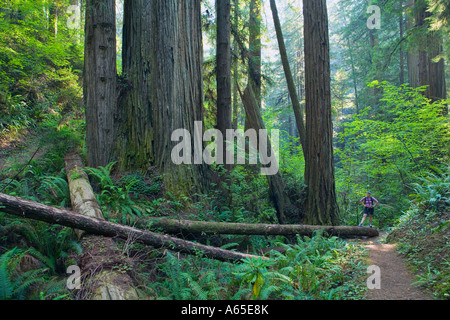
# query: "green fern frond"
14 285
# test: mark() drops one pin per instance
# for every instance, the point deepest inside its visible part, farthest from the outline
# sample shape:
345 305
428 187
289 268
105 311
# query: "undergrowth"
317 268
423 233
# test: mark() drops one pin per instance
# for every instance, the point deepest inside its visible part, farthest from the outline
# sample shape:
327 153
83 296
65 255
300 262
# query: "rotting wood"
108 284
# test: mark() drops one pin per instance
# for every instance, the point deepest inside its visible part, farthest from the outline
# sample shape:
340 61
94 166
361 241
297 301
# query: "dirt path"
396 279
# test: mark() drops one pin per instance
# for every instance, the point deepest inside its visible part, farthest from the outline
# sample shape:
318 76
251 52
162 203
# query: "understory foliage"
423 233
313 268
39 72
23 275
385 151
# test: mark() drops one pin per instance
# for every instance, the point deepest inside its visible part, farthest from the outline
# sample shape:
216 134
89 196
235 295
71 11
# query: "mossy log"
104 283
202 227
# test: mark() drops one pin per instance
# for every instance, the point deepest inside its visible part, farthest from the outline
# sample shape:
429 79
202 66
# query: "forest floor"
17 150
396 278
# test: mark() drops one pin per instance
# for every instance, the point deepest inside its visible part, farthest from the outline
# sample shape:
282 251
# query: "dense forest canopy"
175 109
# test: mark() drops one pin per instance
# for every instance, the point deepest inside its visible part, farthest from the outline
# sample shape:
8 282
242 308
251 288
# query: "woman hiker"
369 204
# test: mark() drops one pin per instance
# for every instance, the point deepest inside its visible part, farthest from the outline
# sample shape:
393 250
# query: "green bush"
422 233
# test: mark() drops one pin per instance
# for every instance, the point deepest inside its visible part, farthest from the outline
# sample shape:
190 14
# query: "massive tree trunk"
223 70
136 134
163 58
100 81
37 211
322 206
179 98
203 227
100 255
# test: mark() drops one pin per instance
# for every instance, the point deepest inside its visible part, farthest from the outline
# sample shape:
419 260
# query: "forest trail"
396 279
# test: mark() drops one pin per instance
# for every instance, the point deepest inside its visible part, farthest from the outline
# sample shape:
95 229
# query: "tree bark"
223 71
401 25
81 194
424 71
107 284
235 66
201 227
322 206
298 111
412 57
163 59
179 99
37 211
254 61
136 135
100 81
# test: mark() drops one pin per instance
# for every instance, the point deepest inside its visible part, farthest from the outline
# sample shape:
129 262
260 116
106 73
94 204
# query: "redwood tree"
162 60
322 206
136 142
316 134
422 68
254 61
100 80
223 68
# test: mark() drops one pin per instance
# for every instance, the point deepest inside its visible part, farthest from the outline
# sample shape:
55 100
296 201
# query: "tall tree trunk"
162 59
136 136
429 72
298 112
254 62
354 75
375 92
223 69
412 58
322 206
100 81
401 23
235 66
437 89
179 99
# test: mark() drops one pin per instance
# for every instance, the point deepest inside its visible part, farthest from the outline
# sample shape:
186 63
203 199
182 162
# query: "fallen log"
202 227
100 255
37 211
82 195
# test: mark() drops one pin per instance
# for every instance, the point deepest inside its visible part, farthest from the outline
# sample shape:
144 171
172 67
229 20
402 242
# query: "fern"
49 244
55 190
102 175
116 200
15 285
